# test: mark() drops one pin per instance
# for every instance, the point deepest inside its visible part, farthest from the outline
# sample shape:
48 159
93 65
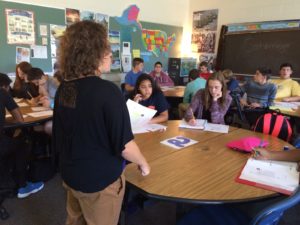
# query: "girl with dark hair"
148 94
211 103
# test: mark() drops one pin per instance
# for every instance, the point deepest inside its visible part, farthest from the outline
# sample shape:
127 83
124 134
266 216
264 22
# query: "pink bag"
247 144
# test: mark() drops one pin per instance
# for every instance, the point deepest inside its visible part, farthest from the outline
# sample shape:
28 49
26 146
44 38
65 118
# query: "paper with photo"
219 128
139 115
39 51
200 124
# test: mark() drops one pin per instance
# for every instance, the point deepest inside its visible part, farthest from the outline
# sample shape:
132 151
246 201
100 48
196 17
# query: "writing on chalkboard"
245 52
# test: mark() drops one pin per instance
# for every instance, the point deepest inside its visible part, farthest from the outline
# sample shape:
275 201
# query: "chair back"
272 214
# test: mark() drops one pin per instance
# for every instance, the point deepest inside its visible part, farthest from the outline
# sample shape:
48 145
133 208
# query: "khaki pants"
99 208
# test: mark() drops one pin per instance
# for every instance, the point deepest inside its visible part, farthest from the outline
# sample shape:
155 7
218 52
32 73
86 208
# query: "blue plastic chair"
226 215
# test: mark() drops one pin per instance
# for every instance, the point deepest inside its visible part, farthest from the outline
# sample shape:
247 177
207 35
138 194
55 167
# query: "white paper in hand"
139 115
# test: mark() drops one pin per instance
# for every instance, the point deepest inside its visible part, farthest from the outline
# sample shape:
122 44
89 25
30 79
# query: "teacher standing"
91 129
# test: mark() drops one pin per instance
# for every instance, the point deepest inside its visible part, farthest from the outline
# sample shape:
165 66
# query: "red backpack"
274 124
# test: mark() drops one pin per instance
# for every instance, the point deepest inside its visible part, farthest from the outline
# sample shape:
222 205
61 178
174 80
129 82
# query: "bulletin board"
130 33
42 16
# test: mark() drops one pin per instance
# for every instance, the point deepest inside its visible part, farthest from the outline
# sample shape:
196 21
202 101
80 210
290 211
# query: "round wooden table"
201 173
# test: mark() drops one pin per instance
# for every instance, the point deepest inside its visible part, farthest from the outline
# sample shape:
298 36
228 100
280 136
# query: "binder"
276 176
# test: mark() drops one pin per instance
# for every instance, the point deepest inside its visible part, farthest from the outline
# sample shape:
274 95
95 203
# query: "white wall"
170 12
239 11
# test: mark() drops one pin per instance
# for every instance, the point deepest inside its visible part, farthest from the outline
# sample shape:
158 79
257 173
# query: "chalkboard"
244 52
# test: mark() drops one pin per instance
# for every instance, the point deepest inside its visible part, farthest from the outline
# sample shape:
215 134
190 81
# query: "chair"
226 215
7 186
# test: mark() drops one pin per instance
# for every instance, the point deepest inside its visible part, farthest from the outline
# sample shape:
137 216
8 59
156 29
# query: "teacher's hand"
145 169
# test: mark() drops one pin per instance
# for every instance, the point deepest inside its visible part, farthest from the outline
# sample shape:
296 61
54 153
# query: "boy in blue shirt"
132 75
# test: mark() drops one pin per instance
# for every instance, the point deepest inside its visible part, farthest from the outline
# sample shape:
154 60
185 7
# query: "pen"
193 117
29 94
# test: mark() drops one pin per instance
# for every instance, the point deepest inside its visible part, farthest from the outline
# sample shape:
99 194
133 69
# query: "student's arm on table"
162 117
265 154
17 115
291 99
133 154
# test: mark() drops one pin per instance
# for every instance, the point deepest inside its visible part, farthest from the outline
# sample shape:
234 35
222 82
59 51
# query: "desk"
174 96
28 121
176 91
201 173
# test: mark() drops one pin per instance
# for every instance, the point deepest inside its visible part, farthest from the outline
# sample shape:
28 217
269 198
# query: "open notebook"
204 125
276 176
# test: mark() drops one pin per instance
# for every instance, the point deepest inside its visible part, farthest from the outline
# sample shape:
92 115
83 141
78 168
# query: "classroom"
149 112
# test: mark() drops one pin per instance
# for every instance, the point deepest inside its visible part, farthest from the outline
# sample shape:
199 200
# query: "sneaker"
30 188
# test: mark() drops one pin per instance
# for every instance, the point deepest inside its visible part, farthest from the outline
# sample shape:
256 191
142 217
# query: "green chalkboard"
42 15
133 34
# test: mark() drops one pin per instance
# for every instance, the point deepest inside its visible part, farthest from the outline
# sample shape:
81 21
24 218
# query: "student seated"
195 83
13 147
132 75
231 82
21 87
286 87
204 73
160 77
210 103
148 94
260 95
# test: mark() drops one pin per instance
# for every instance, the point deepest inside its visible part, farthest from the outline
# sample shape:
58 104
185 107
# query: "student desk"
174 96
176 92
28 121
201 173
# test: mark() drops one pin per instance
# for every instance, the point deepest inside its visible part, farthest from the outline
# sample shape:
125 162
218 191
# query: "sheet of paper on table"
41 114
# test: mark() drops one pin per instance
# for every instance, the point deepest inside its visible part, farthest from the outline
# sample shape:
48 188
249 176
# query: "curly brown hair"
207 96
82 49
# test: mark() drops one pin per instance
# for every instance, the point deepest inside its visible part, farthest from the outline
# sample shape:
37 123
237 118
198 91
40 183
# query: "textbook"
200 124
278 176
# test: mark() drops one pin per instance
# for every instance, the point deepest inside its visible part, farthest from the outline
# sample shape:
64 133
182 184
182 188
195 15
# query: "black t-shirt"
91 126
156 101
6 102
